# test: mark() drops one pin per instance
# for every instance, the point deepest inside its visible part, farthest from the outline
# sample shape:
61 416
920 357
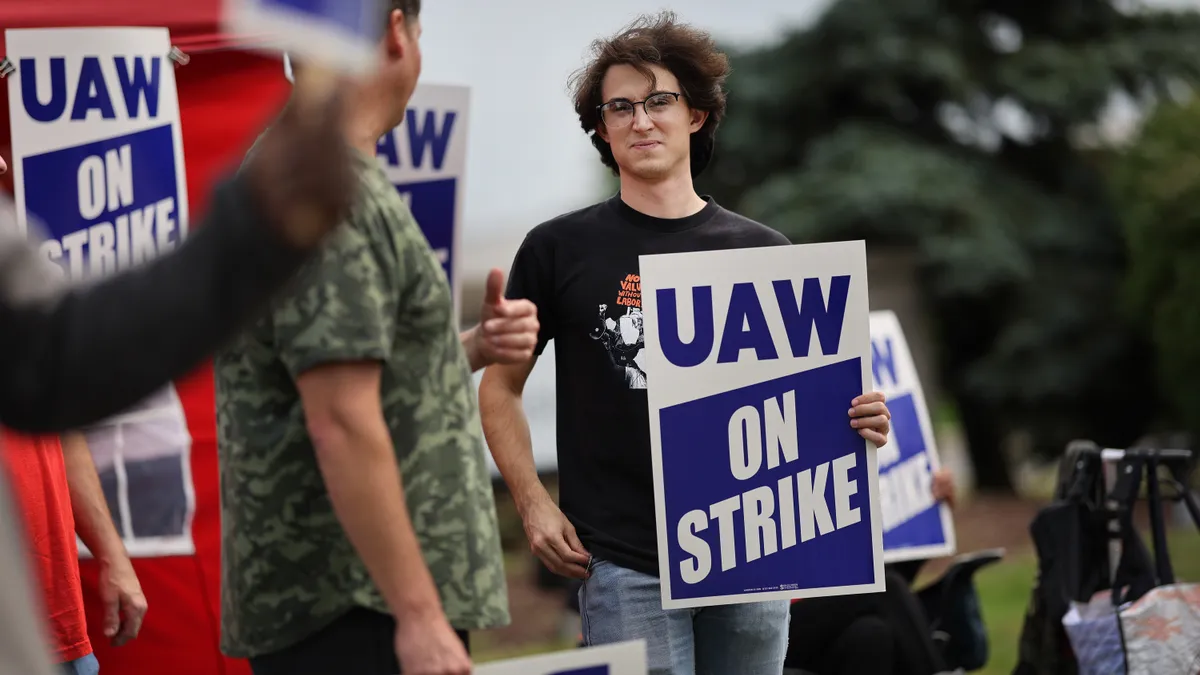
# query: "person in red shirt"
58 493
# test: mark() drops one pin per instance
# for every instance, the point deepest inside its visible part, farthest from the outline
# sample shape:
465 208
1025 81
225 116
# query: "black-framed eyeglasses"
619 113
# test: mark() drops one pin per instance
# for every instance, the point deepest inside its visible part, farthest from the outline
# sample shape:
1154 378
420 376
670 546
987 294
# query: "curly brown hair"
690 54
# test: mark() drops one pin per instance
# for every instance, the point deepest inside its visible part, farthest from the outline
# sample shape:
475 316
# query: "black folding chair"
952 608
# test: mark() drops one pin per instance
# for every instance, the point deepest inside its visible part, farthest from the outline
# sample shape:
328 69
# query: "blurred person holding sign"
651 99
360 530
886 633
872 634
74 355
917 526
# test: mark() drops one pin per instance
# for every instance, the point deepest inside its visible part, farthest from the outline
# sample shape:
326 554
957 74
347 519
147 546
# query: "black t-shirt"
581 270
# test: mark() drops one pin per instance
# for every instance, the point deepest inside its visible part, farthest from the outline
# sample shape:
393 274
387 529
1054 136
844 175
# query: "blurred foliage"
956 128
1157 183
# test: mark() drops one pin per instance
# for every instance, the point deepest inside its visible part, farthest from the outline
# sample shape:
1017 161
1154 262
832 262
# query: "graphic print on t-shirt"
620 331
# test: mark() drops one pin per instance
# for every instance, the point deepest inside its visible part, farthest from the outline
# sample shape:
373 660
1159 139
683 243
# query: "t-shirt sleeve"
773 237
339 309
532 278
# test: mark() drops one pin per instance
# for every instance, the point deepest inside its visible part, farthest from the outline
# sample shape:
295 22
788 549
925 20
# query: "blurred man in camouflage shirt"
359 527
73 355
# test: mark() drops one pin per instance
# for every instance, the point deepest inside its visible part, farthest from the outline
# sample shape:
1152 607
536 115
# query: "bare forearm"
93 521
363 481
507 431
470 345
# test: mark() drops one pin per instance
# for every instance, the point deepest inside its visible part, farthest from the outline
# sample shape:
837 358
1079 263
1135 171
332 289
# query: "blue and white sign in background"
425 158
914 525
343 34
764 491
98 165
622 658
97 145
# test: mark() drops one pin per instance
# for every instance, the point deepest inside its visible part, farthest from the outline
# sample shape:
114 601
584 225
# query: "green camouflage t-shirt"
376 292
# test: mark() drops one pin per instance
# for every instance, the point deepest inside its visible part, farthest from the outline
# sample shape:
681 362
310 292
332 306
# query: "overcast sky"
527 159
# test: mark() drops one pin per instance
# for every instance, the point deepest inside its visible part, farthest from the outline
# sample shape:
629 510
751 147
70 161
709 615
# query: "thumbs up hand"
507 330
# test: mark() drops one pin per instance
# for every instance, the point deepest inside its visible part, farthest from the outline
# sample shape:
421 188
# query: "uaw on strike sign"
764 490
425 158
98 166
97 150
914 525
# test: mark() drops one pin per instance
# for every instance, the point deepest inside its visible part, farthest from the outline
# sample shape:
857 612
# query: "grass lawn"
497 653
1004 593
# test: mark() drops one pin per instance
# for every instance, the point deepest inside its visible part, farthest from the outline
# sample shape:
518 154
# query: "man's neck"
366 121
672 197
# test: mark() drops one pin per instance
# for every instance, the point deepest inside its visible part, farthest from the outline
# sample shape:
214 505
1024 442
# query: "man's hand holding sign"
944 489
869 414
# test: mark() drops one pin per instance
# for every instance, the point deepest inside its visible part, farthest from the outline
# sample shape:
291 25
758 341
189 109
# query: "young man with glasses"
651 99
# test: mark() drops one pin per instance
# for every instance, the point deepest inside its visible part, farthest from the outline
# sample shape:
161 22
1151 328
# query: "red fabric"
39 482
225 98
194 24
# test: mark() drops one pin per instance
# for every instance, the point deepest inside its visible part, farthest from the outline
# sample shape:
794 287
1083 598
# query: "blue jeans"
87 665
618 604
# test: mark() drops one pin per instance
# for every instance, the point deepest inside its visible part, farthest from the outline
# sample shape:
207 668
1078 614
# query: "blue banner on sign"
108 204
792 511
432 204
360 17
909 483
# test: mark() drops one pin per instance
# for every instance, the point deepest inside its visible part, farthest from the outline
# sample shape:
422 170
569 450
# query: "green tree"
954 127
1157 182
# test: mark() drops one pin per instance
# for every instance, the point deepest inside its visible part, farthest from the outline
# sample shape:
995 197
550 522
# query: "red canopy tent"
226 95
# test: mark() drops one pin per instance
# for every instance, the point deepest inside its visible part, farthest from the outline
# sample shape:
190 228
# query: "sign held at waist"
763 489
